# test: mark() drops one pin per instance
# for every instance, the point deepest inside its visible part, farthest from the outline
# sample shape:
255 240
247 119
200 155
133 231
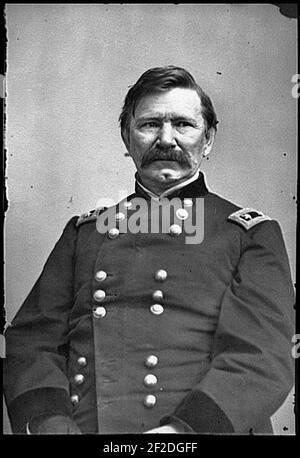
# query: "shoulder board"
89 216
248 217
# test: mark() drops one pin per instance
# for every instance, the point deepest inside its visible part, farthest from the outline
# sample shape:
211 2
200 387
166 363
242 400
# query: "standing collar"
192 187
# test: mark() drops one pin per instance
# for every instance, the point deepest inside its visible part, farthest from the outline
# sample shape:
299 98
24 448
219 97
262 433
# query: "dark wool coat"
213 352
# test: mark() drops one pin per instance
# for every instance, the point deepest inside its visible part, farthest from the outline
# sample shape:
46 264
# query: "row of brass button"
174 230
149 400
160 275
149 380
79 378
181 213
100 295
100 312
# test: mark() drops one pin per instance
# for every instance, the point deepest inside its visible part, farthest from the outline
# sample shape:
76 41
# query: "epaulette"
89 216
248 217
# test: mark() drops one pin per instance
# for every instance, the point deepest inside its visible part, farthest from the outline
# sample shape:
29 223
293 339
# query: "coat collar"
195 188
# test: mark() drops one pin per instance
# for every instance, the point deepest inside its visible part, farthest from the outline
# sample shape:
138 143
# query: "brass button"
127 204
151 361
150 401
181 213
79 379
157 309
99 312
120 216
158 295
175 230
99 295
81 361
75 399
188 202
150 380
100 275
161 275
113 233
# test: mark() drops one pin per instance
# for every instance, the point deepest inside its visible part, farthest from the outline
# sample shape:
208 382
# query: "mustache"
164 154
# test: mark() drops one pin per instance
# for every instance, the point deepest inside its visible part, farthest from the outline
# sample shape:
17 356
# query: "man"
145 331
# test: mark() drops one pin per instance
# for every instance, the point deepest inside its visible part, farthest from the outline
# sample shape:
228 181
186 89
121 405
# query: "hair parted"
162 79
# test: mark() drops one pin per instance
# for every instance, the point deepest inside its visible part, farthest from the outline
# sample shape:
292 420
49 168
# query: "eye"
183 124
150 125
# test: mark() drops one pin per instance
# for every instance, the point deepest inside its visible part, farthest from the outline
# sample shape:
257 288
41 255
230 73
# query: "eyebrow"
160 117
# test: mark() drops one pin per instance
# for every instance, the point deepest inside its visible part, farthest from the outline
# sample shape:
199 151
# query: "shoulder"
220 206
248 217
89 216
252 226
227 211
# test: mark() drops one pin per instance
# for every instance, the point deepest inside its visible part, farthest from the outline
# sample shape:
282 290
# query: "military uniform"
124 332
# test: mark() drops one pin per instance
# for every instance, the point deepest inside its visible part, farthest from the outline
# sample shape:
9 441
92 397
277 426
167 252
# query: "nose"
166 135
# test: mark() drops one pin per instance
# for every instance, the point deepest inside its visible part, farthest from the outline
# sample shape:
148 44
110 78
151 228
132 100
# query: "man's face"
167 138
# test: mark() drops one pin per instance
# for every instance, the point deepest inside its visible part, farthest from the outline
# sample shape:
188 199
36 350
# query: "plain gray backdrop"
69 68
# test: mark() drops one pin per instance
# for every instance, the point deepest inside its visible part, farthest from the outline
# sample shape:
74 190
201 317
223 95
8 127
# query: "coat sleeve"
35 377
251 370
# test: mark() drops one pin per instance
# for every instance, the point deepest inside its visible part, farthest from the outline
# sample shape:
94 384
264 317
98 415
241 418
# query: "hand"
57 424
172 428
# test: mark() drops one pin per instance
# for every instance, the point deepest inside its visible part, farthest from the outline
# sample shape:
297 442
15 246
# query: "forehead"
176 101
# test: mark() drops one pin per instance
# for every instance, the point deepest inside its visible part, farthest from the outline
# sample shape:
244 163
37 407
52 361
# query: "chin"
167 171
169 174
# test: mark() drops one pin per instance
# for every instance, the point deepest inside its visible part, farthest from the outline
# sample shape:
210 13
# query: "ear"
209 141
125 139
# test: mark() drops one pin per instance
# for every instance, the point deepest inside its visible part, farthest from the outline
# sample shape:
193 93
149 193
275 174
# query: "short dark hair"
162 79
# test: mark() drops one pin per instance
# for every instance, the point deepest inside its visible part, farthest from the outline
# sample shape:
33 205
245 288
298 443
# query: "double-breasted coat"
125 331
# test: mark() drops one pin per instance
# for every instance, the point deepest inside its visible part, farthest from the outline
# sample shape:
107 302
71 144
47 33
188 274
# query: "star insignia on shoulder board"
89 216
248 217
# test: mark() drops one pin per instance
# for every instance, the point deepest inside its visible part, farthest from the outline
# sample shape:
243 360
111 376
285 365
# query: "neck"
159 188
